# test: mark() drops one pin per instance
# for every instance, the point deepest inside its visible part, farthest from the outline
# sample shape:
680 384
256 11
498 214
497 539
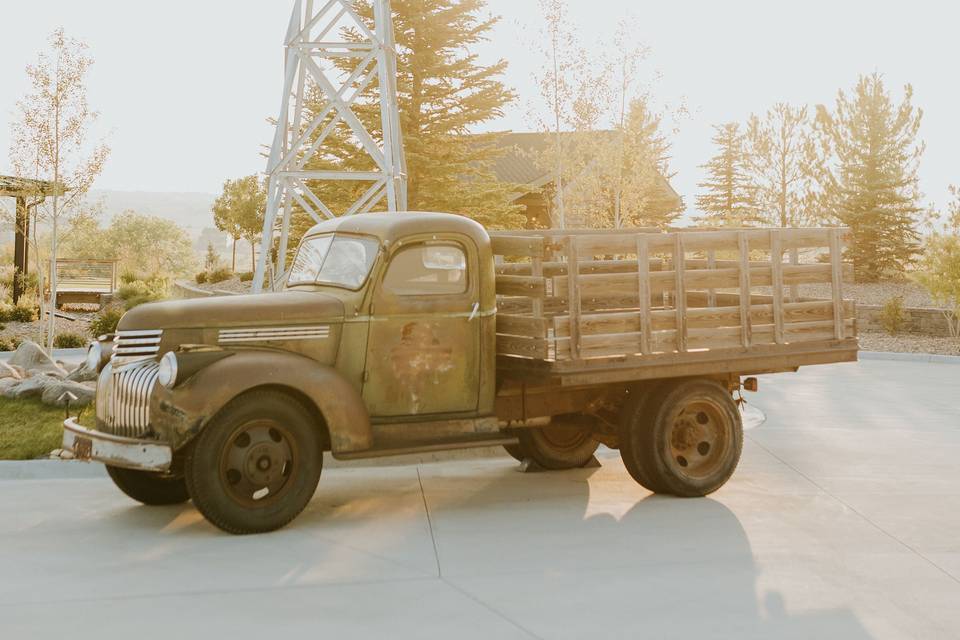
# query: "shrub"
10 343
940 275
69 340
142 291
219 275
18 313
201 277
246 276
892 317
129 276
106 321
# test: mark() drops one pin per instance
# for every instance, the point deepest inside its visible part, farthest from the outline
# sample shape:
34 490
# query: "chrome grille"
123 397
130 346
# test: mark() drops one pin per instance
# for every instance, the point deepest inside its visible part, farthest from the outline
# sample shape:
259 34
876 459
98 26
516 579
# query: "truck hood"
262 309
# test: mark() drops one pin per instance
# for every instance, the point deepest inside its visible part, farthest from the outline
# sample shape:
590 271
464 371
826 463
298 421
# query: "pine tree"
443 92
873 186
730 197
646 202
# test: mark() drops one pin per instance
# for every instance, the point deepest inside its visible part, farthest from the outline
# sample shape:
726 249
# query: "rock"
31 358
6 371
7 386
32 387
53 394
82 374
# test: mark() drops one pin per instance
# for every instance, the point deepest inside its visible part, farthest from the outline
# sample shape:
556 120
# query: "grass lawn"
30 429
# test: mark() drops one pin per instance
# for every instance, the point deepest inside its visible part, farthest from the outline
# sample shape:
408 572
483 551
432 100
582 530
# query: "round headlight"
167 375
92 361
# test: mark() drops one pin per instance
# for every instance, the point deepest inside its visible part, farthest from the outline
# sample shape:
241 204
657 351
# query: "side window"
427 269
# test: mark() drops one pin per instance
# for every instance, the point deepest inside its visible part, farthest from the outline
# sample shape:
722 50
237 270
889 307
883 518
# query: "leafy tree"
49 141
239 211
940 275
211 259
872 186
443 92
781 157
953 210
729 198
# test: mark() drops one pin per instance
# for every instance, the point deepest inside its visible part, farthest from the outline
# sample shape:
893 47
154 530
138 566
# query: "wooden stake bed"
584 307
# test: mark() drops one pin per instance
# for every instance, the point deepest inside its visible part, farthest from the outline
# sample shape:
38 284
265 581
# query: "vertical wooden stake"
643 292
794 260
776 275
573 296
711 264
746 332
679 265
836 269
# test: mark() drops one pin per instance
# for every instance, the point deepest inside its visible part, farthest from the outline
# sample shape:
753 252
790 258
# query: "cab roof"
390 227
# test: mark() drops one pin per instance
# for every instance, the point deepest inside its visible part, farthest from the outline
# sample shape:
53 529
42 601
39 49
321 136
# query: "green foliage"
106 321
69 340
18 313
729 197
129 276
219 275
873 187
246 276
143 244
201 277
29 429
142 291
211 260
892 316
239 213
9 343
940 275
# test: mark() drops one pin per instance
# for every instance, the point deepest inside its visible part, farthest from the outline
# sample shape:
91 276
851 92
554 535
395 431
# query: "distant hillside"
189 210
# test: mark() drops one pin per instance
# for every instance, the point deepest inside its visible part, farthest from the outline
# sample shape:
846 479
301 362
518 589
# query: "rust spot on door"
420 360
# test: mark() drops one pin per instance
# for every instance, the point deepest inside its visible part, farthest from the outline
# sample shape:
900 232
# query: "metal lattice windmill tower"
326 79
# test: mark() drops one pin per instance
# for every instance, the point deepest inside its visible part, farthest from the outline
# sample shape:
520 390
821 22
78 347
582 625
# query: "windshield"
337 260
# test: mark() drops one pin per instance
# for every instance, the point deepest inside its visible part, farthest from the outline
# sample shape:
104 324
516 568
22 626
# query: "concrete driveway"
843 521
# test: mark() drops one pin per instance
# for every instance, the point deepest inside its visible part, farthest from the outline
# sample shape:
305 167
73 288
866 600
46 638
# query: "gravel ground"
33 330
908 343
876 293
233 285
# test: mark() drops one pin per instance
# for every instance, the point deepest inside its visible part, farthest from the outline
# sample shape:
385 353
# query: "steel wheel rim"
258 463
698 439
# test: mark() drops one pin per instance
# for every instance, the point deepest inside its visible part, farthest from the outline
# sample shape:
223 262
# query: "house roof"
13 187
523 154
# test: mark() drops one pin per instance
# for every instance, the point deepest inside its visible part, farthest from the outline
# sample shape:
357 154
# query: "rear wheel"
149 488
685 438
256 465
567 443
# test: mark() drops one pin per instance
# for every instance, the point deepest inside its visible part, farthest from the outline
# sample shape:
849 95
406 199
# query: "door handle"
473 312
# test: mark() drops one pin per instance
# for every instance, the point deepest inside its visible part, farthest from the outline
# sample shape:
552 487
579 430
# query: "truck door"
423 351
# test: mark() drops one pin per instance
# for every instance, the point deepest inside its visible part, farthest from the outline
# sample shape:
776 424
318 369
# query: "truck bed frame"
588 307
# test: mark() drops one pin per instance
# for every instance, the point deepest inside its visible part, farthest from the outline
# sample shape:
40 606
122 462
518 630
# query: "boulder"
82 374
53 394
31 358
6 371
32 387
7 386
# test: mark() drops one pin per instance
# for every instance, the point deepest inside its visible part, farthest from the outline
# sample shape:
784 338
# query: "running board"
427 446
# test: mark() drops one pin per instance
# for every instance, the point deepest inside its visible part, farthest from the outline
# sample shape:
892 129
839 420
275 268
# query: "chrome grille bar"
123 397
129 346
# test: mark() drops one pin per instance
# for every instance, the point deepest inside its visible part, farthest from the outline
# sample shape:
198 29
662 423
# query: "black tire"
515 451
635 417
149 488
561 445
686 440
262 439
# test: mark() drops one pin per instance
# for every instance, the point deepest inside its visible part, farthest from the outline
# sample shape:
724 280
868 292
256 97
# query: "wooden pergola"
28 193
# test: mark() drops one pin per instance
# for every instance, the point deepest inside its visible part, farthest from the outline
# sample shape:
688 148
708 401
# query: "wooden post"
679 265
746 331
573 296
643 292
836 269
794 260
711 264
21 248
776 276
537 272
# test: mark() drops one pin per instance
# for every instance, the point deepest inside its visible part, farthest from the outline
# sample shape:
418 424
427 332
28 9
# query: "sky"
185 88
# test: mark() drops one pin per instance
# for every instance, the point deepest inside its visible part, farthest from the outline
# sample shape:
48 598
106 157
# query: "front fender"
180 413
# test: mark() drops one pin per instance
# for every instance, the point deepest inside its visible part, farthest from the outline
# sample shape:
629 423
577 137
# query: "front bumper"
90 445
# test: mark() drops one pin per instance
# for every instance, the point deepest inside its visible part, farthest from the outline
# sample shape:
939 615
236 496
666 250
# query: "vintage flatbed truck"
413 332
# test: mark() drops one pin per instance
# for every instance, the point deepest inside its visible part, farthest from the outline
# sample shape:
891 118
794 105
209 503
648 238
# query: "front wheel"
256 465
684 438
151 489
